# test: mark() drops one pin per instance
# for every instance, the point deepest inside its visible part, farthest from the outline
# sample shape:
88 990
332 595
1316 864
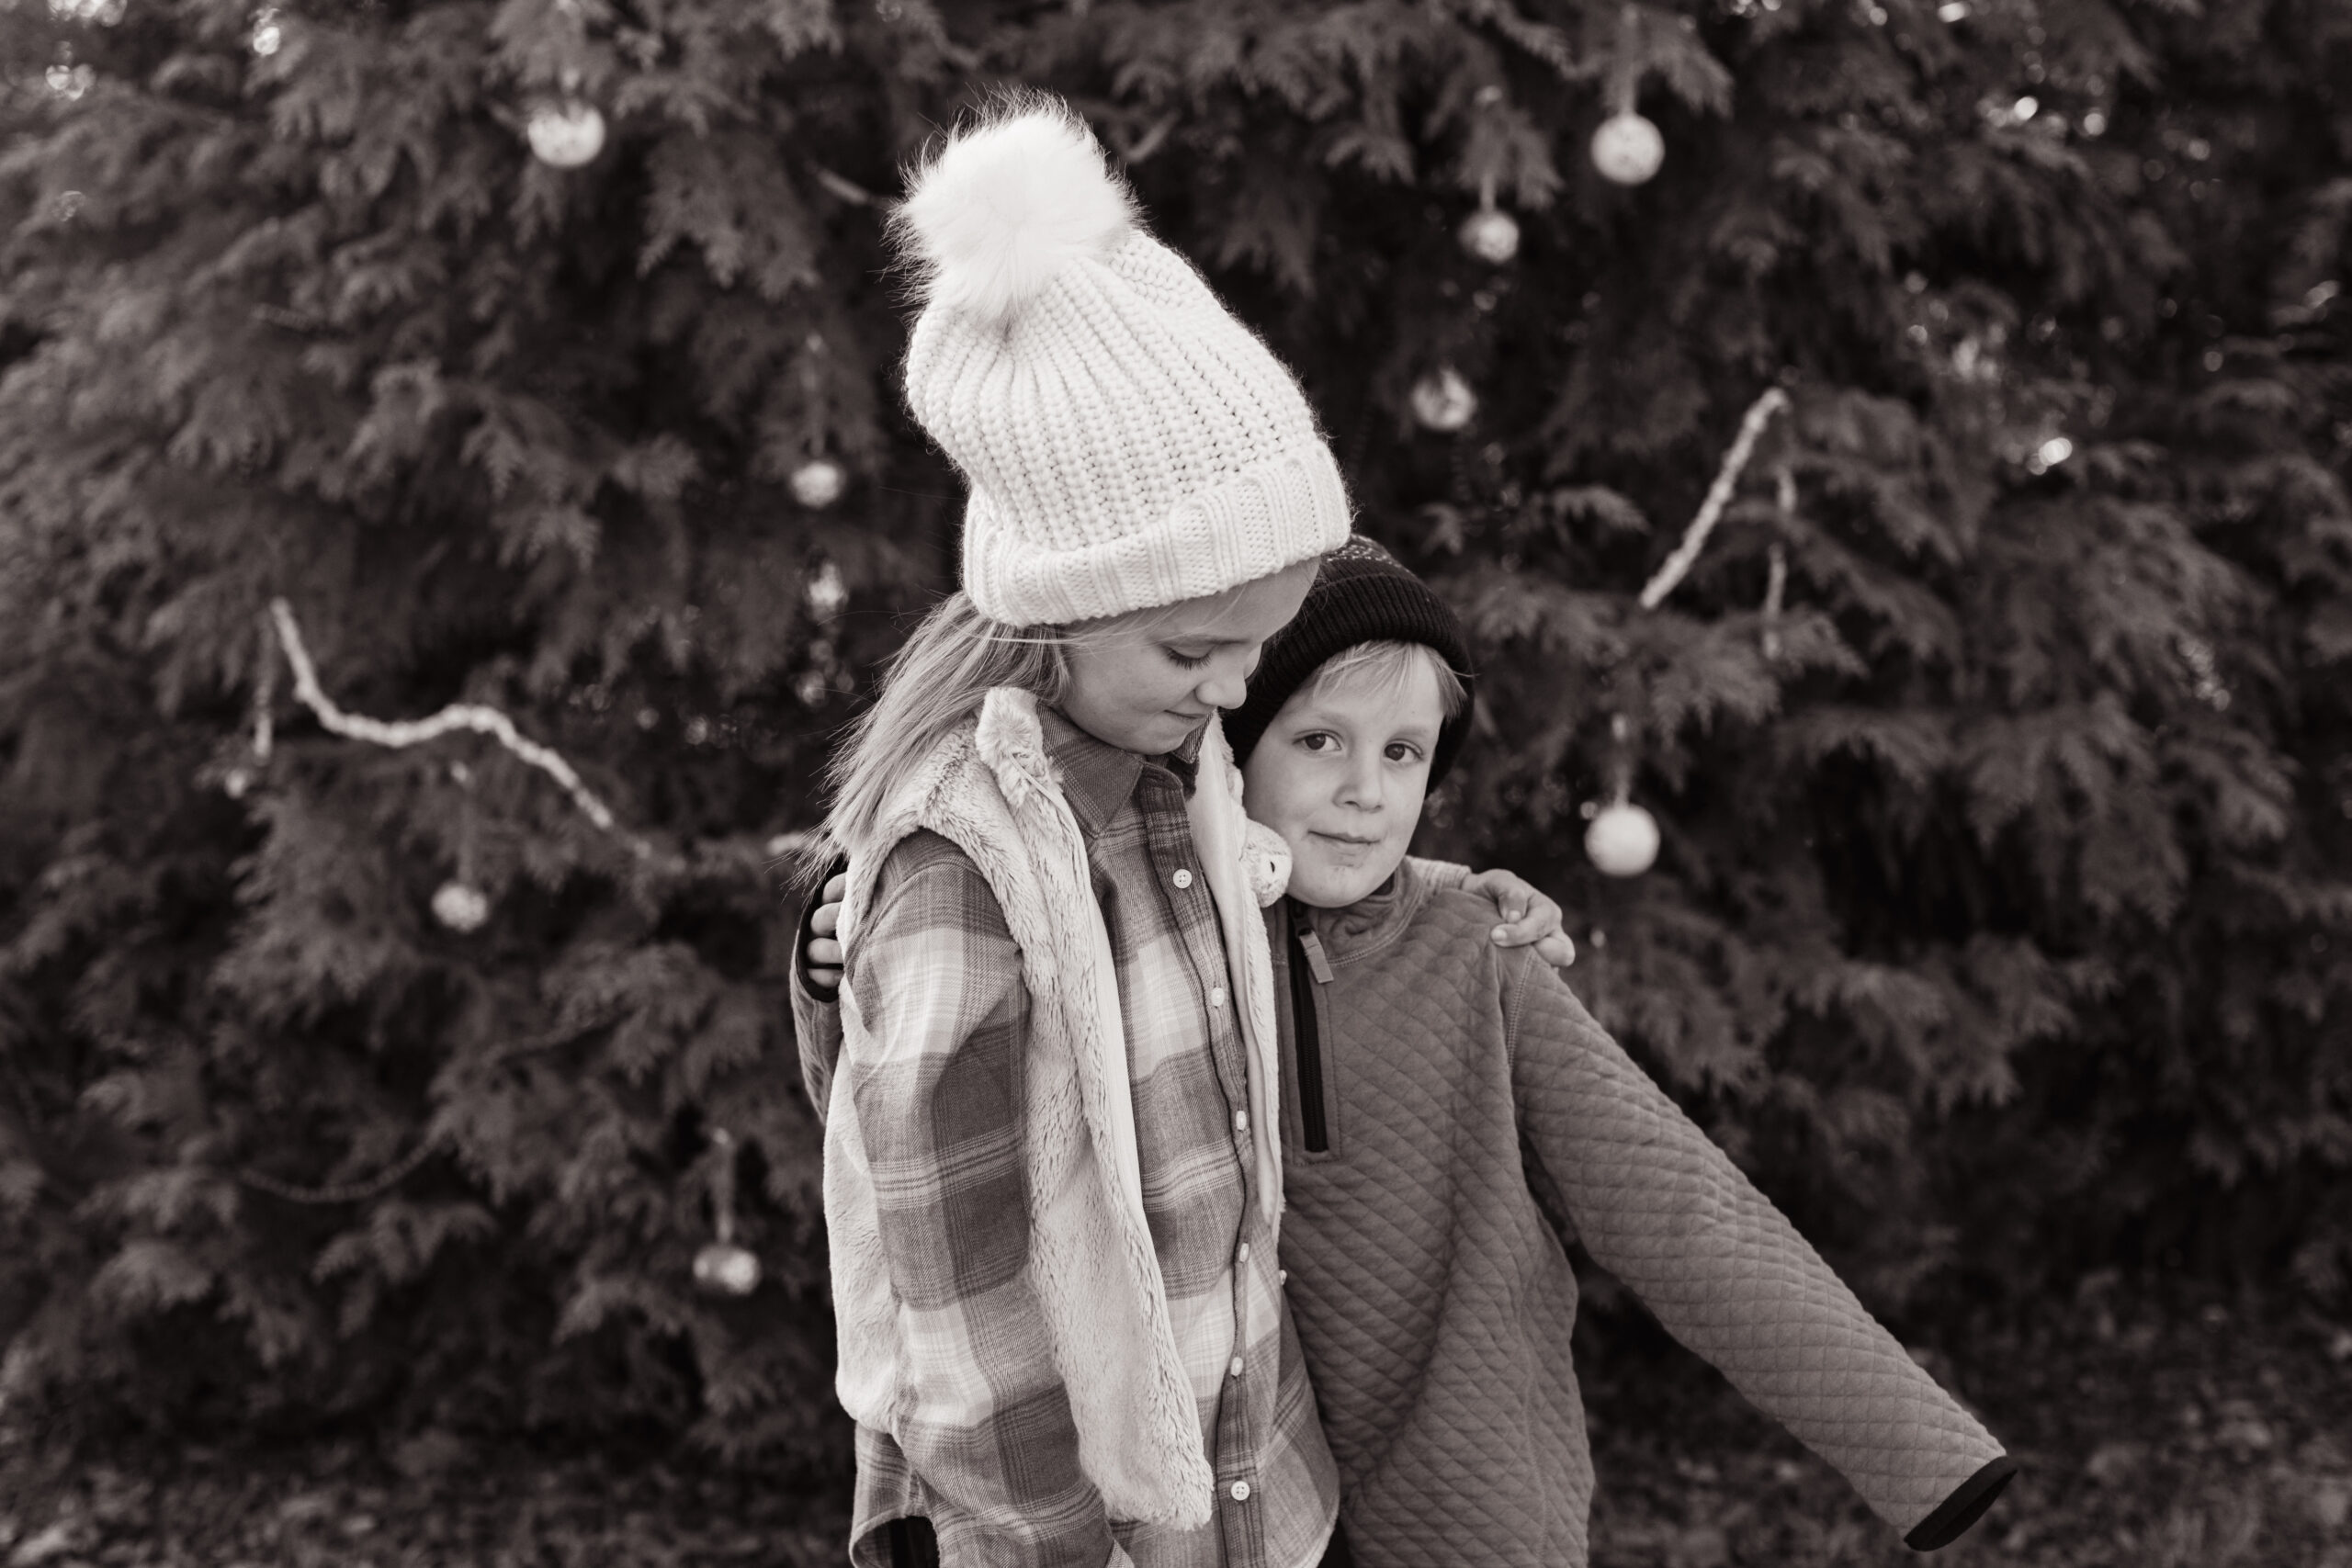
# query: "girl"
1052 1169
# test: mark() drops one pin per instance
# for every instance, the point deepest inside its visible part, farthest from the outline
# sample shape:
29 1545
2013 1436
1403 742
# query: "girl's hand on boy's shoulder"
824 966
1529 918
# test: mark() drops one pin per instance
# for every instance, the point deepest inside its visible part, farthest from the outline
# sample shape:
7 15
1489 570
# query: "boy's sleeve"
1442 874
937 1082
1662 1208
815 1013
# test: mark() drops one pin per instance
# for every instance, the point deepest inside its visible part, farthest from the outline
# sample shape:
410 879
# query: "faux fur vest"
990 788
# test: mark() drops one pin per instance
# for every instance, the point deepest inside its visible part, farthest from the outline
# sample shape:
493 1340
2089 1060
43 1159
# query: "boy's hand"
1528 916
824 953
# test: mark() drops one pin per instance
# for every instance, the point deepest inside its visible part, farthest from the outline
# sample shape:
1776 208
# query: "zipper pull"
1312 945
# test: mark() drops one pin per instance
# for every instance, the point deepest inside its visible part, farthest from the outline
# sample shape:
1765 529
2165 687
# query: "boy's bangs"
1385 666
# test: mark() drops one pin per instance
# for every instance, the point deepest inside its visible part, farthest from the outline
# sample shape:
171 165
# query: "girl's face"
1145 682
1340 773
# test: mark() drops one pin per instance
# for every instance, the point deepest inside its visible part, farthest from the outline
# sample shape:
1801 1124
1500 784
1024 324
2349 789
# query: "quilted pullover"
1435 1302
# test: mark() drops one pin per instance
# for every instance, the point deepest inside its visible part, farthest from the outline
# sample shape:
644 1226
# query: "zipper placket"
1306 958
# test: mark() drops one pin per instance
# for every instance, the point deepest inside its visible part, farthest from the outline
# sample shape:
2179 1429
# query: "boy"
1432 1085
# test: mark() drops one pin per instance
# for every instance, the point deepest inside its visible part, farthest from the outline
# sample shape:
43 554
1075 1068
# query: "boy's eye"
1403 751
1317 741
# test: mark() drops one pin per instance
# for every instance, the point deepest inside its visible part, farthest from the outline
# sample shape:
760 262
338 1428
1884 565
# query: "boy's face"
1340 772
1145 682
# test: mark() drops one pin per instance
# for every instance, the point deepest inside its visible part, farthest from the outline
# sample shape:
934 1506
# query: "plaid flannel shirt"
993 1462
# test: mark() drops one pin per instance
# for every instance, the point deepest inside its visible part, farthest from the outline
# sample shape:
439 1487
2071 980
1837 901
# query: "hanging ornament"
1443 401
1490 234
725 1269
1623 839
566 131
1627 148
722 1267
818 483
461 905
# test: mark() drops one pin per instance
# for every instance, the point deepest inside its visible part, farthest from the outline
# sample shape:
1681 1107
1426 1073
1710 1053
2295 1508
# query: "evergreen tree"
1997 733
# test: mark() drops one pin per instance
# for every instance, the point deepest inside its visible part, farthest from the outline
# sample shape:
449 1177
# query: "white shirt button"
1233 1367
1241 1492
1183 879
1241 1120
1243 1255
1217 997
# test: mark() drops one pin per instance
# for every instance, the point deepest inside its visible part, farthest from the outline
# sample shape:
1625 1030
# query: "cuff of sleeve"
803 935
1963 1507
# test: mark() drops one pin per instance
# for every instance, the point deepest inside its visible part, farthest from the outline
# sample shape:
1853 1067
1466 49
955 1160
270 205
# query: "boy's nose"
1360 787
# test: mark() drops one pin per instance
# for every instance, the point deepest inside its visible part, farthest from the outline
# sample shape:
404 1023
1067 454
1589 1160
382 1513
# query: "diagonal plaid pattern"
990 1453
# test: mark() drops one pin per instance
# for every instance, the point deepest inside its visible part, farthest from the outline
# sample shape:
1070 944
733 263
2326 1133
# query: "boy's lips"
1349 839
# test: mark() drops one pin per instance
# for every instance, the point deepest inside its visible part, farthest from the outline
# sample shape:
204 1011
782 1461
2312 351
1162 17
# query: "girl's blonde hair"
931 684
934 683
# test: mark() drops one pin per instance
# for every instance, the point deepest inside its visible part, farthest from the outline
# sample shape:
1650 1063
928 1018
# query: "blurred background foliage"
2001 737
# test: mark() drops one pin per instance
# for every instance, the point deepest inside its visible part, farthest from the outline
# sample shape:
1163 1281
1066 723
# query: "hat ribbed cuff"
1272 515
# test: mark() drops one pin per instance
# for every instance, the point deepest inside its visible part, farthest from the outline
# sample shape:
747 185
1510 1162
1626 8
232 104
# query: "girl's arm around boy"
1662 1208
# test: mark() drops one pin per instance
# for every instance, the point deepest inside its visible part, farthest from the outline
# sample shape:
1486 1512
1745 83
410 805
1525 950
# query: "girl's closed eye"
1183 660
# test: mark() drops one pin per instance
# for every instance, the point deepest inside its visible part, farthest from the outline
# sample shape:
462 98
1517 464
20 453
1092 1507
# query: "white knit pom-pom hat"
1128 442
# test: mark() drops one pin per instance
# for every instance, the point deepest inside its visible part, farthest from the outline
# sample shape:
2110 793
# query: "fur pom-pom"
1009 205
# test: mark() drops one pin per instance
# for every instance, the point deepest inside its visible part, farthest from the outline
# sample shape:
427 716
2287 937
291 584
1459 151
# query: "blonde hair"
954 658
1388 663
935 682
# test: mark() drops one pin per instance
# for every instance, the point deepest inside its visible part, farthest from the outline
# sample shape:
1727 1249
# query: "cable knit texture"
1435 1305
1128 443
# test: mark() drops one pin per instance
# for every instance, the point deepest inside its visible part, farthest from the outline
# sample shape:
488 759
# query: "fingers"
824 966
1556 949
1540 919
1543 917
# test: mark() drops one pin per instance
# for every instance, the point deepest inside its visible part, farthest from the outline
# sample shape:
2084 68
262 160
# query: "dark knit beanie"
1361 595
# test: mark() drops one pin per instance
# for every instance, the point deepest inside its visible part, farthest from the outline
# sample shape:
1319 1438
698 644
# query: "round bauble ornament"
566 133
1623 839
818 483
1490 235
1443 401
724 1269
1627 148
460 908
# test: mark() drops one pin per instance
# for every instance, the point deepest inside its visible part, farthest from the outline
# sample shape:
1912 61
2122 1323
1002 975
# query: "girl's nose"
1227 683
